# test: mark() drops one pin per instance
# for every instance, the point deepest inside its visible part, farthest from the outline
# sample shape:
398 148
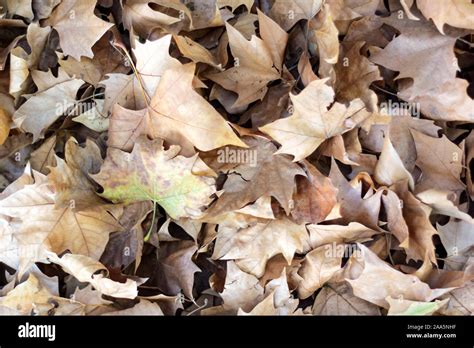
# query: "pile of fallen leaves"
236 157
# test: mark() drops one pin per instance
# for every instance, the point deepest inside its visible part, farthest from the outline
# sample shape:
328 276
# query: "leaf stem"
148 235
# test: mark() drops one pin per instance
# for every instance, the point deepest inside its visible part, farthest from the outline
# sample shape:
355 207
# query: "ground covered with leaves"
210 157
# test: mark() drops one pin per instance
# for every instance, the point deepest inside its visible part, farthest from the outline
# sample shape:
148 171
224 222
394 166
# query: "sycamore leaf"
253 246
314 198
312 122
85 269
288 13
71 177
180 115
41 110
78 27
241 290
339 300
175 270
417 54
457 13
374 280
317 268
456 236
44 227
274 37
352 206
264 174
421 232
158 175
33 298
152 60
93 70
440 161
251 58
358 76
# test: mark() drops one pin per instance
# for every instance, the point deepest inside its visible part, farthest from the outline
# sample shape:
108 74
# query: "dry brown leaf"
311 122
253 246
73 22
377 280
251 58
339 300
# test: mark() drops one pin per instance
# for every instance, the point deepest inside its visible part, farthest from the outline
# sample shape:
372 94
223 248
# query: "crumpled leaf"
88 270
385 281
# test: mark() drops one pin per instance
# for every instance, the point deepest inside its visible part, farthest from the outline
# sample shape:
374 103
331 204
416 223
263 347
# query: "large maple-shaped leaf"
312 122
252 247
418 54
44 227
179 114
424 55
78 28
271 175
152 173
253 68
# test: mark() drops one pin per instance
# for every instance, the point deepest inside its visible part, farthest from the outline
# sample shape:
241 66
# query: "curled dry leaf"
85 269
